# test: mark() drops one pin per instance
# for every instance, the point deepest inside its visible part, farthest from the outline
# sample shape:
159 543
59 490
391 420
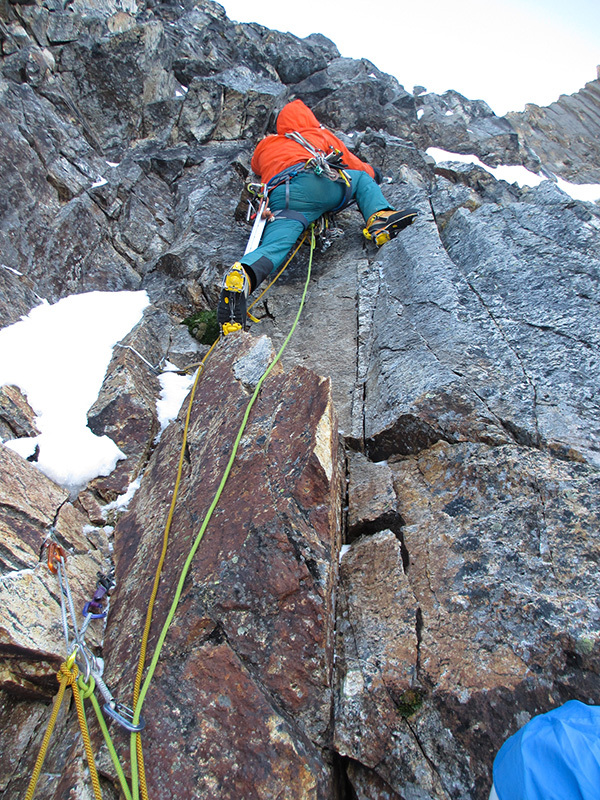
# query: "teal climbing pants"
312 195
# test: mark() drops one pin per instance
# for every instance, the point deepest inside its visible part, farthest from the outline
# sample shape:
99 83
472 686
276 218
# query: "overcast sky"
506 52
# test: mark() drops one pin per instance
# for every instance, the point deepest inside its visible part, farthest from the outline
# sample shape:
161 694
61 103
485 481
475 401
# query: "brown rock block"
500 540
125 410
65 772
32 642
240 703
368 785
378 691
28 505
17 418
499 554
371 497
18 721
87 502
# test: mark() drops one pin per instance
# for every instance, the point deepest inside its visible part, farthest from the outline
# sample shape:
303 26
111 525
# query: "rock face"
468 126
564 135
31 639
460 361
247 663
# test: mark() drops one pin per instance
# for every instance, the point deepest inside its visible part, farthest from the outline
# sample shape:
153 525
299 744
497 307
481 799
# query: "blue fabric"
312 195
556 756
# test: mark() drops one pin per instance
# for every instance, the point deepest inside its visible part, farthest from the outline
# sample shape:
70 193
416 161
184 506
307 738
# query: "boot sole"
231 311
390 231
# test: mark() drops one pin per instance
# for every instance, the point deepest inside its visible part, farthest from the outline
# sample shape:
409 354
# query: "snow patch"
58 355
174 389
343 550
587 192
123 500
11 269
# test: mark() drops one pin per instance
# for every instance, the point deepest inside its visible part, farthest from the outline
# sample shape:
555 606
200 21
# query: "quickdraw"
85 675
96 607
55 555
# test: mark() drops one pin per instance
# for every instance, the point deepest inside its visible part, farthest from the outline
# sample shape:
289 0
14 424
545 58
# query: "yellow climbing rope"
68 672
67 676
137 762
161 561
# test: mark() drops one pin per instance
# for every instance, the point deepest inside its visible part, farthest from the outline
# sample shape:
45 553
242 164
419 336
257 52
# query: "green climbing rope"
203 527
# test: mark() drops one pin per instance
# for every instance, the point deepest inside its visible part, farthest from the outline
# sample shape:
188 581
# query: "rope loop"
86 689
67 673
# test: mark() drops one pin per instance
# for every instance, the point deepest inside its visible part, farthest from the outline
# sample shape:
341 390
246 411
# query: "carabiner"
55 554
124 716
86 610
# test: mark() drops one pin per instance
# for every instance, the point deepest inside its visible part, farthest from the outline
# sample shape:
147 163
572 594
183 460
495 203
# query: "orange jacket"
275 152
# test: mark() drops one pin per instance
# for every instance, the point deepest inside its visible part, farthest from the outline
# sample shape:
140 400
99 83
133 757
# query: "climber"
308 172
555 756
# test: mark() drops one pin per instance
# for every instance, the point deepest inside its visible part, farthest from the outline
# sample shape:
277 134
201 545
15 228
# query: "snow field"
58 355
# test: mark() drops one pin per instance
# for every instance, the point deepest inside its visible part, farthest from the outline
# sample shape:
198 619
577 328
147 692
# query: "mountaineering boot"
231 311
385 225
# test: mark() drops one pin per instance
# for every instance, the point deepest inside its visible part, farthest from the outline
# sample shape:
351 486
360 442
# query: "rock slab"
246 665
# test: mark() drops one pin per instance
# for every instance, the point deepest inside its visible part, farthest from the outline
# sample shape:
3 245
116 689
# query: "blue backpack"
555 756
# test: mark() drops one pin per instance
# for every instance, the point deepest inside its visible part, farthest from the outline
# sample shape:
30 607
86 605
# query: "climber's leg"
382 221
308 195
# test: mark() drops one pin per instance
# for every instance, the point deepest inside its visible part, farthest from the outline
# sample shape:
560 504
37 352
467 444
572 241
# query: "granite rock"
17 418
460 360
32 643
252 634
470 126
508 620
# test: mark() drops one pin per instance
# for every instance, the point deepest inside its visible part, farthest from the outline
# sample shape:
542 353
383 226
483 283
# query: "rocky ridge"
452 443
564 134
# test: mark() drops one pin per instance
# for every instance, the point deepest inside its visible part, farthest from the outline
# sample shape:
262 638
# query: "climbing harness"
328 164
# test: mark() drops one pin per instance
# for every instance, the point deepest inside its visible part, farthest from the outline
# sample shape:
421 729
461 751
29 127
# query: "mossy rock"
203 326
410 702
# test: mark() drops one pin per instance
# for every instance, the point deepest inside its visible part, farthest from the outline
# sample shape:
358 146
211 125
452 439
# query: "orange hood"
276 152
296 116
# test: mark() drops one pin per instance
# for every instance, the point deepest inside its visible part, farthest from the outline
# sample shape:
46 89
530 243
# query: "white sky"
506 52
